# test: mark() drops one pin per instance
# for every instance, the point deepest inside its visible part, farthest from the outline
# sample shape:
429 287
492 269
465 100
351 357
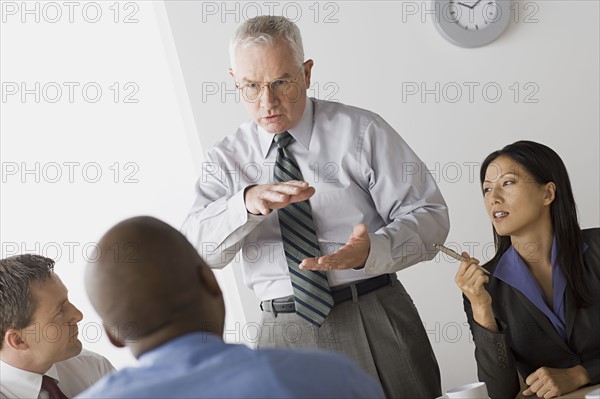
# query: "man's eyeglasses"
279 87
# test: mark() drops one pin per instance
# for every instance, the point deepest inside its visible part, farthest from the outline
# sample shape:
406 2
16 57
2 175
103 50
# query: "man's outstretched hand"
352 255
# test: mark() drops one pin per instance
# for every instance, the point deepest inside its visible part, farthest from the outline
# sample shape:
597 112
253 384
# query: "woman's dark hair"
546 166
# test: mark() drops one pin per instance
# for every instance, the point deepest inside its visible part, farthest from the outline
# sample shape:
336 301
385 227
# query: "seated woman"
538 312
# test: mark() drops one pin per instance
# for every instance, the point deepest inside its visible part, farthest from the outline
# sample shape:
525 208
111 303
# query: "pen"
456 256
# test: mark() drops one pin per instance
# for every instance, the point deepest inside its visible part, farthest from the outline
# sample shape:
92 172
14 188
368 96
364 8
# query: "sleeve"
592 366
591 359
495 363
218 220
406 196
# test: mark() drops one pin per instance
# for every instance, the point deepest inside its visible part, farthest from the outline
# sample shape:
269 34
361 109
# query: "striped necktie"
312 295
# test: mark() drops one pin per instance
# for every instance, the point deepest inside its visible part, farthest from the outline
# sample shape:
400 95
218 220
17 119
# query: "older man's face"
279 110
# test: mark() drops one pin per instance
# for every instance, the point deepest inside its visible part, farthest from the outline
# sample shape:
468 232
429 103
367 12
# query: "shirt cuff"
237 204
379 259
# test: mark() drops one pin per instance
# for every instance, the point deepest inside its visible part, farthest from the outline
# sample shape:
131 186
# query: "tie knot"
50 385
283 139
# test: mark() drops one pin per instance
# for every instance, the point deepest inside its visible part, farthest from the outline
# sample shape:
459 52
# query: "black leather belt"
286 305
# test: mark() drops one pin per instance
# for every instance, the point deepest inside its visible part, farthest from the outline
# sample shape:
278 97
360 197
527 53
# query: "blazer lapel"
542 320
570 312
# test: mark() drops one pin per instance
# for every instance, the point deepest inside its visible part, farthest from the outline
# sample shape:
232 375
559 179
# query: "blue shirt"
201 365
513 271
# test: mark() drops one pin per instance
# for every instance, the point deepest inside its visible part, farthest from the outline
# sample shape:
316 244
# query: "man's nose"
268 98
76 315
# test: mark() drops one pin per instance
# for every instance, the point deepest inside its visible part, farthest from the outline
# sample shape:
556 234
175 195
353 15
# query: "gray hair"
264 30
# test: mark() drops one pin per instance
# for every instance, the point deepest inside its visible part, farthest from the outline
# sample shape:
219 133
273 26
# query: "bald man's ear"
208 281
113 340
12 338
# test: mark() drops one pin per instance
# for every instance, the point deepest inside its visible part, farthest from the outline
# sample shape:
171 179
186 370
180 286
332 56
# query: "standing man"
41 356
324 268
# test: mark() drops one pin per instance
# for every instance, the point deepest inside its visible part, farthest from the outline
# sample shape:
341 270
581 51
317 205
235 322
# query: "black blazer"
527 340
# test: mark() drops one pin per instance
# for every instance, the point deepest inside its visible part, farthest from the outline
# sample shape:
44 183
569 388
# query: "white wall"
176 54
74 163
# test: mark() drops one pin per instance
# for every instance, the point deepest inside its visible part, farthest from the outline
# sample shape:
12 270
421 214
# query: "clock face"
473 14
471 23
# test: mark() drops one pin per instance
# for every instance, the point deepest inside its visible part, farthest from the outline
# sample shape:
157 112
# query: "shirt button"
500 351
501 359
502 365
499 344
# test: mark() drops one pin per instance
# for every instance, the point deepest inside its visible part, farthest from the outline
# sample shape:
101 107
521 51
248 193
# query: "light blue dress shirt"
201 365
362 171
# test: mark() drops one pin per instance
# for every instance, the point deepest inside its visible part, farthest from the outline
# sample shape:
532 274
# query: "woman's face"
514 201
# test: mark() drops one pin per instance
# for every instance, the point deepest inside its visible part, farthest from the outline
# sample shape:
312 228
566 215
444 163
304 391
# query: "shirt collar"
302 132
22 383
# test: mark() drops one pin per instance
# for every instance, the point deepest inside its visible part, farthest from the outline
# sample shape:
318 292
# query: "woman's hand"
471 280
547 382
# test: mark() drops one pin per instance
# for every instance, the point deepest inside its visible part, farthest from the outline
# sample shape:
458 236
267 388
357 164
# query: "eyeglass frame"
267 84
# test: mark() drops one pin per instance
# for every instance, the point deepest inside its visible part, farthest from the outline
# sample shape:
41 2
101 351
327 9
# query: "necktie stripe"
321 274
311 308
311 320
287 172
286 160
292 261
304 208
312 294
295 274
315 297
298 229
307 224
298 251
289 225
290 167
308 230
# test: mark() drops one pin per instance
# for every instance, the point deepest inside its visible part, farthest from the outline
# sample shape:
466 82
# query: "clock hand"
466 5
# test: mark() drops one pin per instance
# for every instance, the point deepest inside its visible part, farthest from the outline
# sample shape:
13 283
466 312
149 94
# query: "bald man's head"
150 282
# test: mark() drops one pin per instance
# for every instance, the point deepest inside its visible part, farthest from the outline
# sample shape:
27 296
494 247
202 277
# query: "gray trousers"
381 331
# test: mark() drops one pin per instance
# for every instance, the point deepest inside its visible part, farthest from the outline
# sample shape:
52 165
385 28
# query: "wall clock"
471 23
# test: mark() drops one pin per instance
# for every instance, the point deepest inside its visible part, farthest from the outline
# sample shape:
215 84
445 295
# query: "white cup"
477 390
595 394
